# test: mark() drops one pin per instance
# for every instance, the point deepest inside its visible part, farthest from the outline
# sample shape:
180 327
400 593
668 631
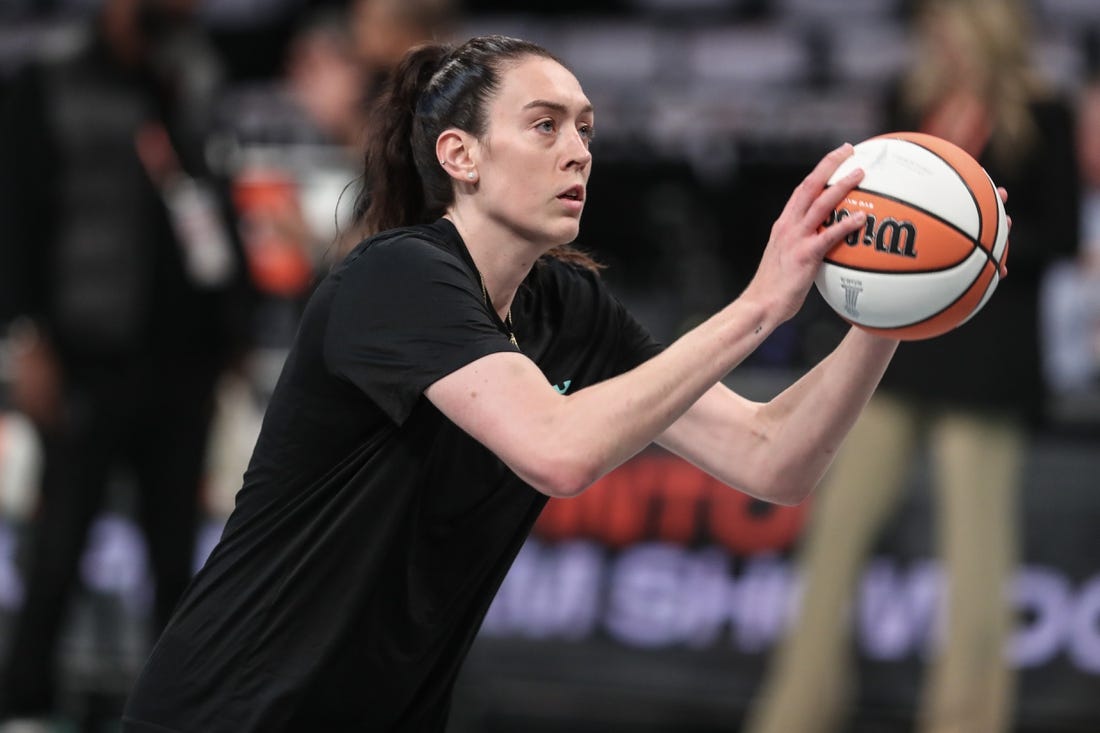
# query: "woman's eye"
546 126
587 132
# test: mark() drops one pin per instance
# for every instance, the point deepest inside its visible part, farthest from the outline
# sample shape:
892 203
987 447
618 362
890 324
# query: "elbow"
562 478
791 495
780 487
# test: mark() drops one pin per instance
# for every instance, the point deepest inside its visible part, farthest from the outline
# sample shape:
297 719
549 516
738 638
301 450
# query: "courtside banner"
662 582
653 601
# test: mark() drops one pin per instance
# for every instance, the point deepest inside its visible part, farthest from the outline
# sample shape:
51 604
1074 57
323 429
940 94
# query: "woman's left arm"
779 450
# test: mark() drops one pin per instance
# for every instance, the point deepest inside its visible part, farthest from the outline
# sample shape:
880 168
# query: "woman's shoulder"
399 253
419 243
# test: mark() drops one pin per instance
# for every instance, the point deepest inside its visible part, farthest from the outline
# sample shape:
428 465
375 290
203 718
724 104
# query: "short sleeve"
600 319
405 314
634 344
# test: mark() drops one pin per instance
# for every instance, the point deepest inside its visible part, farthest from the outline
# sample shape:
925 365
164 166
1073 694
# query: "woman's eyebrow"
556 106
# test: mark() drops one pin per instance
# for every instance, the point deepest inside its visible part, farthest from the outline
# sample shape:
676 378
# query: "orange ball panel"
898 238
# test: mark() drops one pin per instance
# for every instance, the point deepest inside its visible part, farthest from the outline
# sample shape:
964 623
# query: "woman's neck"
503 259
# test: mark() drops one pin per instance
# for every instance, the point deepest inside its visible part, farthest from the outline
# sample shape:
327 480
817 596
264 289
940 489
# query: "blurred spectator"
381 31
327 80
297 143
294 174
1071 290
384 30
288 182
968 397
124 298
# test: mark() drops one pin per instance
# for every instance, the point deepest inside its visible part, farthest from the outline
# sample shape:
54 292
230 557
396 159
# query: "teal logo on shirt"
563 387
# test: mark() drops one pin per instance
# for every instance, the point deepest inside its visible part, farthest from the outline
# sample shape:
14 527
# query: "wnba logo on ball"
852 289
889 235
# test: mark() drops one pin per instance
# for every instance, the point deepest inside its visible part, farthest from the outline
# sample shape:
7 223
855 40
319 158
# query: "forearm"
611 421
807 422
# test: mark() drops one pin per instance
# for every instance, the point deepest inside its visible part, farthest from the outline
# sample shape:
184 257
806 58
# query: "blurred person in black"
123 299
970 397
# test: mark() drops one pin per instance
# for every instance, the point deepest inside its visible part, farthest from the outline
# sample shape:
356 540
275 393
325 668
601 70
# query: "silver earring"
471 175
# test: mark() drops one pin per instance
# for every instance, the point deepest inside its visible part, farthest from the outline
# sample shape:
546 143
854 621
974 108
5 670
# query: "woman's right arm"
560 444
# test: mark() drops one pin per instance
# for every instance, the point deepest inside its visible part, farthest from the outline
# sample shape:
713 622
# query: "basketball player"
459 367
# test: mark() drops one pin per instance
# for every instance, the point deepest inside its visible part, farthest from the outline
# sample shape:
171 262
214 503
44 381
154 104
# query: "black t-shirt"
371 533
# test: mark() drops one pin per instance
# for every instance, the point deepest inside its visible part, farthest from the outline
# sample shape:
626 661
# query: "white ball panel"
909 172
890 299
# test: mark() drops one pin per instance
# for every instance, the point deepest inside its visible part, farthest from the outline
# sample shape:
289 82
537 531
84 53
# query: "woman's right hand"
799 242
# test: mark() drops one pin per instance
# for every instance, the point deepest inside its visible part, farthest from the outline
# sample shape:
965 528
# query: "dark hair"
435 87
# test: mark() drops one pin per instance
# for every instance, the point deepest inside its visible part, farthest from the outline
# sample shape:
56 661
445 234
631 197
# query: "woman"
459 367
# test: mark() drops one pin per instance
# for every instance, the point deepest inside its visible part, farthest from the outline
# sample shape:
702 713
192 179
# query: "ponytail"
392 193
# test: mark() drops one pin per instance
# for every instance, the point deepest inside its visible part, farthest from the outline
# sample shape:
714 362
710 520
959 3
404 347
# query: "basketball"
928 257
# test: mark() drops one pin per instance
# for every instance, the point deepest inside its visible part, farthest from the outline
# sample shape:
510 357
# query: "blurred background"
176 173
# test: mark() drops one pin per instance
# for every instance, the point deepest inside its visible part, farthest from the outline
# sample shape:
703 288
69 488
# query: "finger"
1003 194
812 184
830 236
830 198
1002 268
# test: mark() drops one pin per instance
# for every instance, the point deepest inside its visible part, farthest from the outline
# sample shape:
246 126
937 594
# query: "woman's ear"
456 152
